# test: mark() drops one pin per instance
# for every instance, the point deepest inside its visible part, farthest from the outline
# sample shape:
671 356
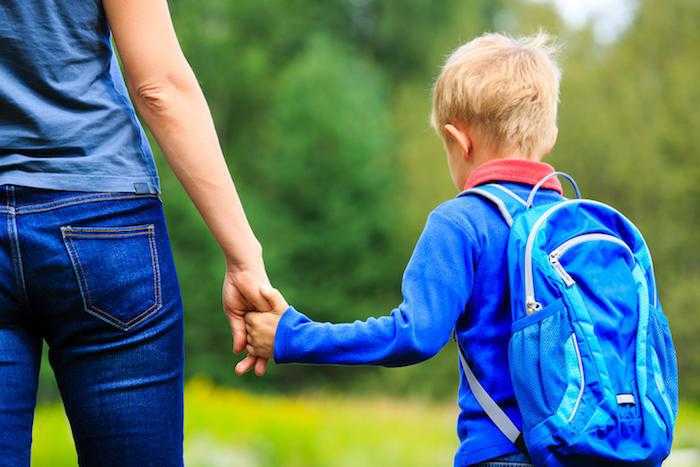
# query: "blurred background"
322 109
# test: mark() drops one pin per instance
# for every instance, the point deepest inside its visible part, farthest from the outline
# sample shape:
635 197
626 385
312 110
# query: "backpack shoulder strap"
490 407
508 203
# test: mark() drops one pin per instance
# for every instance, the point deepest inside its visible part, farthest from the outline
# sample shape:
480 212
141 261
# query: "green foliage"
304 118
302 97
322 110
231 428
629 133
226 427
326 172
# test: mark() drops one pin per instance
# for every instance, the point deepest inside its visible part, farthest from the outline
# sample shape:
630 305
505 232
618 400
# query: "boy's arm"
436 288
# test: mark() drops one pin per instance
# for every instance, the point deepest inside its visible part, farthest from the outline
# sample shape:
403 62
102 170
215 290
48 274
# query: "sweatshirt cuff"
285 332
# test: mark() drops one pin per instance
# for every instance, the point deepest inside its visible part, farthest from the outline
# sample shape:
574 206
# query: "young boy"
495 107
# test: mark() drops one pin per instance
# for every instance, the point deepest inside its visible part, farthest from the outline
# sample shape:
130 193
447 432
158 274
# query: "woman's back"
66 121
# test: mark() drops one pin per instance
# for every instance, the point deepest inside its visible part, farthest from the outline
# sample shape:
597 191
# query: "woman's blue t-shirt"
66 120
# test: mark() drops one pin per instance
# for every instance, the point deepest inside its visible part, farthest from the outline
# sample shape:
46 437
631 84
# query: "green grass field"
230 428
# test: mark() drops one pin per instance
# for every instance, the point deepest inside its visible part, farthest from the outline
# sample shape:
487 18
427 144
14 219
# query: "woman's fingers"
235 307
253 326
274 298
261 366
249 286
251 362
238 329
245 365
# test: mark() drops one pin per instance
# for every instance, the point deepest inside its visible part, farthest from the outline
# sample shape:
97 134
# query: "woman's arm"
168 97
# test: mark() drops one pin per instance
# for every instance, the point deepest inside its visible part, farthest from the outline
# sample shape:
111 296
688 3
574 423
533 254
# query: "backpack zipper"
558 252
566 277
531 304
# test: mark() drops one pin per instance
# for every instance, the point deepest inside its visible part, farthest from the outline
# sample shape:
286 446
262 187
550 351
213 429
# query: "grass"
225 427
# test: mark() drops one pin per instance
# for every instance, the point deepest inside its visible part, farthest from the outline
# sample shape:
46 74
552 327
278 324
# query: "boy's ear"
458 137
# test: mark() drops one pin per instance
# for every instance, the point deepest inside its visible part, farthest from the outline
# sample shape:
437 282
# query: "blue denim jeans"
92 275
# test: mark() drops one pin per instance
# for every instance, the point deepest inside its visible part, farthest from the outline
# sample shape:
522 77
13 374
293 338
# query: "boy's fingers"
256 320
245 365
261 366
252 323
250 349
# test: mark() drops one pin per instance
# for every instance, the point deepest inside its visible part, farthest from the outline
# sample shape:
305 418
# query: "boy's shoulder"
458 206
480 217
469 209
474 215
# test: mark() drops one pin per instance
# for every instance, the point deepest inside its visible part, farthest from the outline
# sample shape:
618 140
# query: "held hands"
261 328
241 295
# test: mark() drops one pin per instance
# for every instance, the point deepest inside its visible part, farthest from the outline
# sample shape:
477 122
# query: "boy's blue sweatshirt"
455 279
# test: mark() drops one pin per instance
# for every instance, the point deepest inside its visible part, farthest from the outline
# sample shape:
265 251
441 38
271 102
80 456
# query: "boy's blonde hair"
508 88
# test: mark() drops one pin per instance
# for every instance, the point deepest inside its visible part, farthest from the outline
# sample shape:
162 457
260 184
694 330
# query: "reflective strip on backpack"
493 411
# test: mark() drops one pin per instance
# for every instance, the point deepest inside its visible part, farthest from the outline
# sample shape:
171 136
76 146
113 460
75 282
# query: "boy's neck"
515 170
489 154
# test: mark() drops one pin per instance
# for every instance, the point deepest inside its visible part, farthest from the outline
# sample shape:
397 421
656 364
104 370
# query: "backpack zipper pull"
554 261
532 305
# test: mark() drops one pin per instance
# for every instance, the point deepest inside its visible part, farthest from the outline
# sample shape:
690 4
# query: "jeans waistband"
24 200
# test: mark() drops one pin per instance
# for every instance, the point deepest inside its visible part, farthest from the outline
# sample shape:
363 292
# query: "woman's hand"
261 328
241 295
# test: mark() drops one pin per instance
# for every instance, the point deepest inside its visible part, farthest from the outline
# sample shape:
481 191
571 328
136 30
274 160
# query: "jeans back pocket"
117 271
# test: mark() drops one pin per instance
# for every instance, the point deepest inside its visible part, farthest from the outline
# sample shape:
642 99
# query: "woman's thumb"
274 298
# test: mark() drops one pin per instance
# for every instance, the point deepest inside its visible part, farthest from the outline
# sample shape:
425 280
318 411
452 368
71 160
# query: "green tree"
327 180
629 133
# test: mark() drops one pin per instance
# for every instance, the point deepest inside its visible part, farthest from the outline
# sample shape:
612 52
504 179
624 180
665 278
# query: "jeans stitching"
124 235
14 237
91 198
155 262
79 273
156 286
82 280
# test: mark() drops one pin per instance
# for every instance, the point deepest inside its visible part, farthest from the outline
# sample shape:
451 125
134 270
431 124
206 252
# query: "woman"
85 260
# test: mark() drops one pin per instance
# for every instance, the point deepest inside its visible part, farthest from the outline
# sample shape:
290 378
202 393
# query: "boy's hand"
241 294
262 327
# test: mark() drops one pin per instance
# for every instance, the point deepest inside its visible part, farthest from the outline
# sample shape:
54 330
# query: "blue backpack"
591 358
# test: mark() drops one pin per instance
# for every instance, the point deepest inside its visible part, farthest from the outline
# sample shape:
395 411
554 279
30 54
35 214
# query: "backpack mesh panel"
660 332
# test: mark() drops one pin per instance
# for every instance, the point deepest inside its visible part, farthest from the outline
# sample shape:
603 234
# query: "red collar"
513 170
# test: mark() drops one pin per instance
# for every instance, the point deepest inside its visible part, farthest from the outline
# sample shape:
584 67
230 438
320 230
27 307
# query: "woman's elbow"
159 95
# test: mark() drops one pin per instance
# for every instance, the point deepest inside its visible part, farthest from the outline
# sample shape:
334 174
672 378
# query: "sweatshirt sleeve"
436 287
